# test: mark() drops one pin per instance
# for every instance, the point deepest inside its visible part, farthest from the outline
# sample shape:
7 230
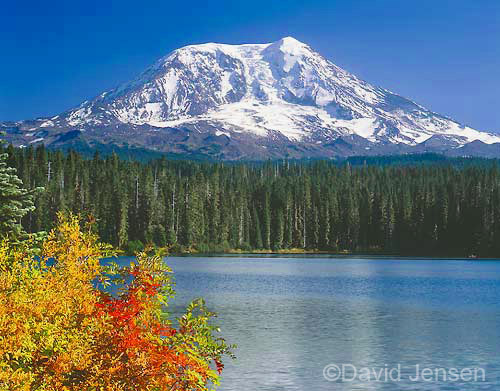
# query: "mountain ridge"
280 99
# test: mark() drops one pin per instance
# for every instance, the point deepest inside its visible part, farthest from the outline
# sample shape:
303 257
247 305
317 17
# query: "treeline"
431 209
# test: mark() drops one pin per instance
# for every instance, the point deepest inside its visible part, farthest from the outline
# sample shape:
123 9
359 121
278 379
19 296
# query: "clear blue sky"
442 54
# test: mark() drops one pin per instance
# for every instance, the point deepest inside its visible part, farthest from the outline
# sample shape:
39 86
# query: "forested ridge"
413 209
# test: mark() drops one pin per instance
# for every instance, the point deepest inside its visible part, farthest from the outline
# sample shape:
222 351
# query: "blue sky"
442 54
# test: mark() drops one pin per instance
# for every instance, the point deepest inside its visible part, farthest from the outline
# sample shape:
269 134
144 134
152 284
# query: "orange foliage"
58 331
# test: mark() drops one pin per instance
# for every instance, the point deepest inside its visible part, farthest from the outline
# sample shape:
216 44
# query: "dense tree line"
432 209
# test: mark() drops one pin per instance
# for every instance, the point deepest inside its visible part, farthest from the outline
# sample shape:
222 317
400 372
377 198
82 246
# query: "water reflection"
291 317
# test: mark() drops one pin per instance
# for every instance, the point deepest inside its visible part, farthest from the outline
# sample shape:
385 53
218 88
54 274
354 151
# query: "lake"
293 316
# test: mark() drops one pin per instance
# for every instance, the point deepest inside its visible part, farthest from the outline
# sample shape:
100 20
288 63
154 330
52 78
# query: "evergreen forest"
415 206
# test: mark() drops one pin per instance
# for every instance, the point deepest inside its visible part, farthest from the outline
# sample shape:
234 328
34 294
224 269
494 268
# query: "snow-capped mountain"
254 101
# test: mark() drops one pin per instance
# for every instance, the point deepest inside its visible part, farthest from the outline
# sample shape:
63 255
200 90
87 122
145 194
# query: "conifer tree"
15 201
266 212
257 234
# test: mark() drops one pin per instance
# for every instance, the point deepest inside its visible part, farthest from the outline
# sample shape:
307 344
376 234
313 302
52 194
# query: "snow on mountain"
281 90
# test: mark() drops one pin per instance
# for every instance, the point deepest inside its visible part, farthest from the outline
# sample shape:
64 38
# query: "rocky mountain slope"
253 101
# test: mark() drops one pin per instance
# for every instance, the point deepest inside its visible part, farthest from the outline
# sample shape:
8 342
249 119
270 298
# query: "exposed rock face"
254 101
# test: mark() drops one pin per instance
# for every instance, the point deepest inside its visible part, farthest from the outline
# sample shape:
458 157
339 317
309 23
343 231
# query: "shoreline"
338 254
308 252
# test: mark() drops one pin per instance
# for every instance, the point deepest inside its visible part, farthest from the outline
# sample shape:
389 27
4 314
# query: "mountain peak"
290 45
290 41
261 98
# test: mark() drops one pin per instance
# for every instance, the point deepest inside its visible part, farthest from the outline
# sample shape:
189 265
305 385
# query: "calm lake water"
291 317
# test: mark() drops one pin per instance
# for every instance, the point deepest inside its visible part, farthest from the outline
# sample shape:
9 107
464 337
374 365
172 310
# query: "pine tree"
266 212
15 201
257 234
279 230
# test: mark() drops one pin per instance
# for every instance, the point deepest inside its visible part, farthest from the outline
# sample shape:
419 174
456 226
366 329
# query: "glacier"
282 95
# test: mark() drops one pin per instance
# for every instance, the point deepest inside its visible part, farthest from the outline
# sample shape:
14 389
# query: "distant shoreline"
340 254
303 252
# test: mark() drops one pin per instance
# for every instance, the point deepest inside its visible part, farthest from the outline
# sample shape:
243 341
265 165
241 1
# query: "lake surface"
291 317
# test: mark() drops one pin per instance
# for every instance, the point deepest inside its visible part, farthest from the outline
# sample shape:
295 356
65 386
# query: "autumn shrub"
68 323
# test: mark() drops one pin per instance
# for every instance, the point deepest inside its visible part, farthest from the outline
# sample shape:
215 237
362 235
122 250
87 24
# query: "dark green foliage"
15 201
386 205
134 247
